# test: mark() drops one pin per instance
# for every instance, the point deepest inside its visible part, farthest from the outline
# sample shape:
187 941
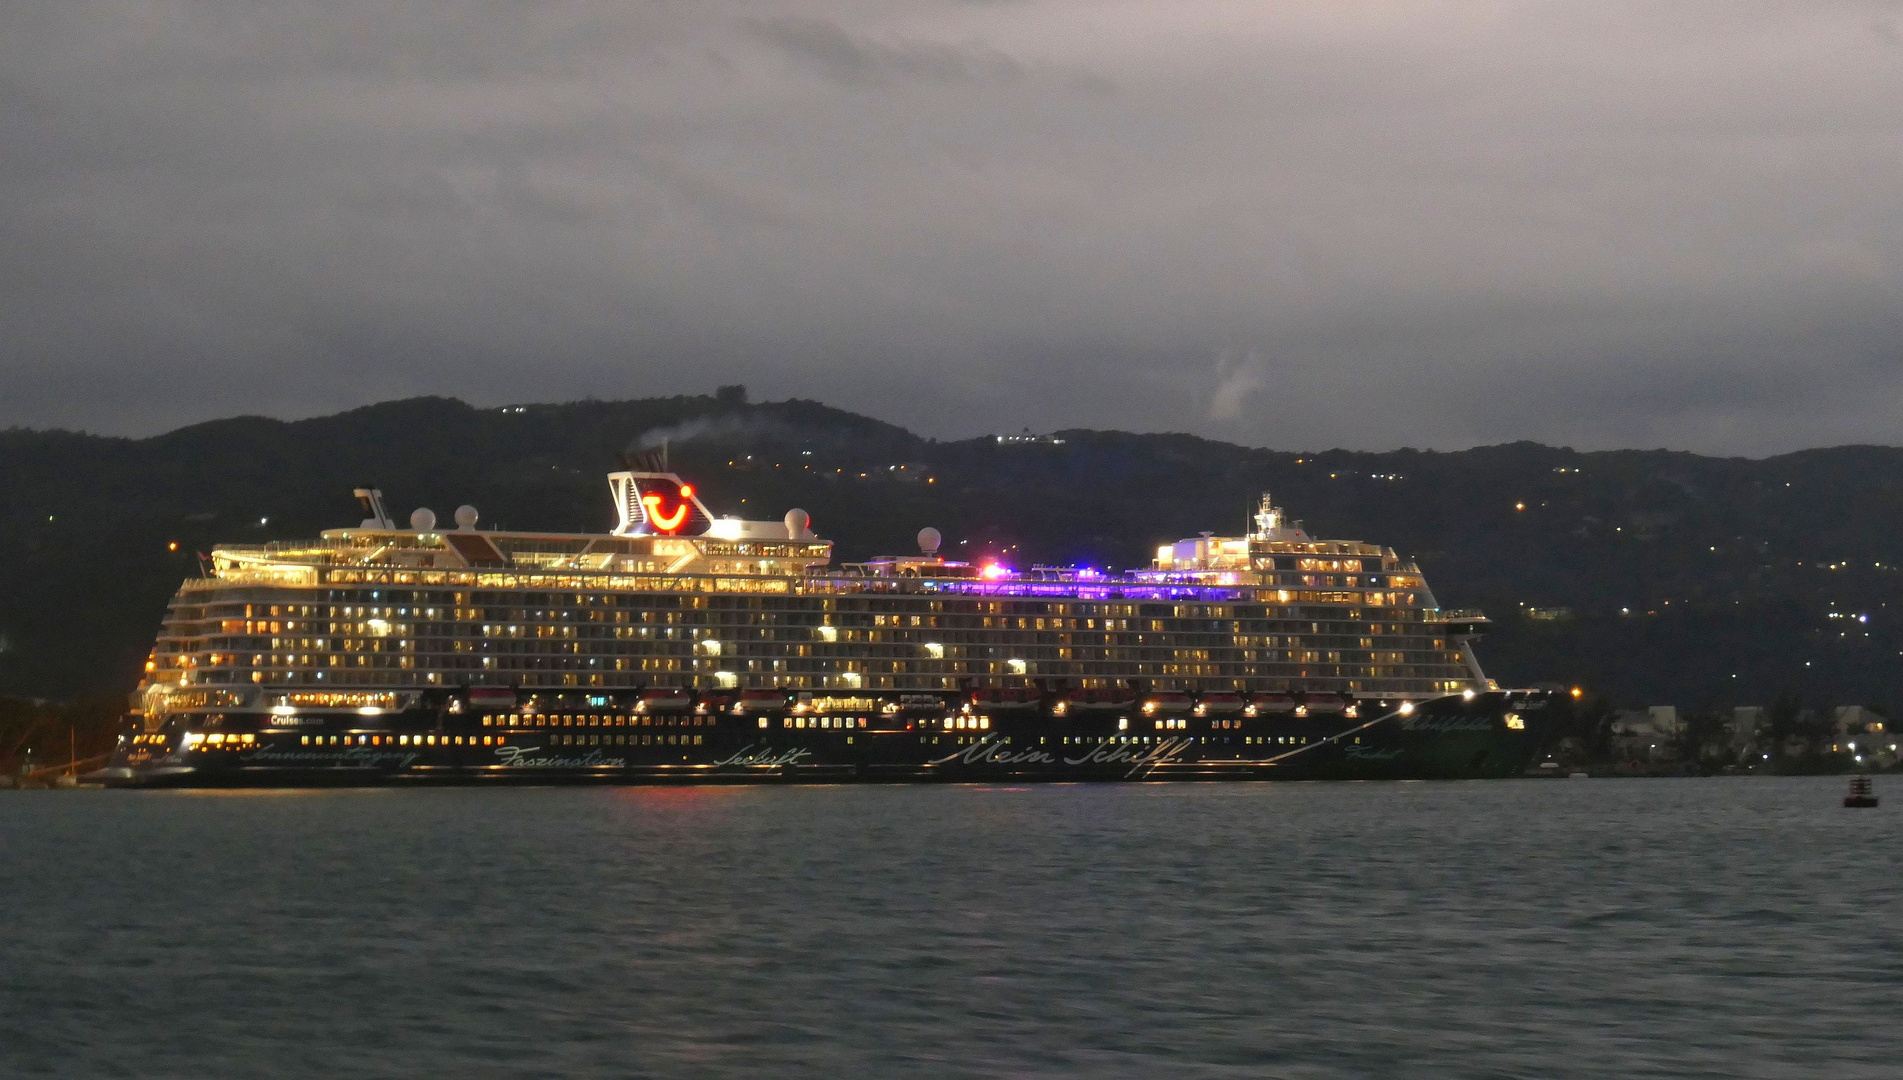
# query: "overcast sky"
1300 225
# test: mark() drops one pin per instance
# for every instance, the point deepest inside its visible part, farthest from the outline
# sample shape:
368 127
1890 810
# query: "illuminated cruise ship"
685 646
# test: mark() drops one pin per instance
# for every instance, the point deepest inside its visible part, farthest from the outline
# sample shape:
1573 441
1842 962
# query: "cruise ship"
685 646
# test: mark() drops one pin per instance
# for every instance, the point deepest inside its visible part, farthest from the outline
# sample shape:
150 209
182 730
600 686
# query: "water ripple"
1735 928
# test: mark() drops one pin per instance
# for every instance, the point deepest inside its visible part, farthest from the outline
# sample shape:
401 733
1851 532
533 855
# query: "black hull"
1488 735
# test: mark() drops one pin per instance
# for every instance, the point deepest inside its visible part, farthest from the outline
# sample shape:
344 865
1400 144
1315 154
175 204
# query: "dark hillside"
1681 578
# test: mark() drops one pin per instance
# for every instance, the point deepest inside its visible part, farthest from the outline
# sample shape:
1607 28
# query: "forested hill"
1686 579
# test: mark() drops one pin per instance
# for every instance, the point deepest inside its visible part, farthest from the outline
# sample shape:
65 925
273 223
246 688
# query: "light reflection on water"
1555 928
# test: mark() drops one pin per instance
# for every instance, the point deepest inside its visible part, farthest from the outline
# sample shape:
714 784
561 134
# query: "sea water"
1560 928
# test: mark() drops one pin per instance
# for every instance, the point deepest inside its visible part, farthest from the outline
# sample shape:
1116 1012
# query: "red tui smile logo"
666 522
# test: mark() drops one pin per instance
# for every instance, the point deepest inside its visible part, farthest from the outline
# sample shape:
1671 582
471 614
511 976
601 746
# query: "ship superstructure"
679 610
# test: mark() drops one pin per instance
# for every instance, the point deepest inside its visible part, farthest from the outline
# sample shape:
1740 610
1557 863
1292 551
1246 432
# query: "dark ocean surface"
1560 928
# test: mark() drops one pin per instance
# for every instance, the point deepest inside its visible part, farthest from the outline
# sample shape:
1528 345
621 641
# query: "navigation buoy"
1860 795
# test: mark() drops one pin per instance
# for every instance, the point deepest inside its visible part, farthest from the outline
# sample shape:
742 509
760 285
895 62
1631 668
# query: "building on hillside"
1646 734
1851 721
1747 723
1664 719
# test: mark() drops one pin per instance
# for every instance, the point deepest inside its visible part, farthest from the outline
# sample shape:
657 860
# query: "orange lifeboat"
1218 704
1167 702
1323 703
491 697
1097 700
1010 697
654 701
1271 705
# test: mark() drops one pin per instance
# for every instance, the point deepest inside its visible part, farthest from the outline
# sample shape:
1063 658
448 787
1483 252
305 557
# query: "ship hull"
1491 734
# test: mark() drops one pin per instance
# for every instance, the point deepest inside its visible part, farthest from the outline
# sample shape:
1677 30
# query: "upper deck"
1274 563
675 596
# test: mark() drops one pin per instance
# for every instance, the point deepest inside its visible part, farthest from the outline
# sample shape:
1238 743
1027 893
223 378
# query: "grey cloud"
1597 223
859 61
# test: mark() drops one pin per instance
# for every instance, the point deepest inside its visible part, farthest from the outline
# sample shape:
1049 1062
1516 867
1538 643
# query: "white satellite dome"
466 516
797 524
929 539
422 519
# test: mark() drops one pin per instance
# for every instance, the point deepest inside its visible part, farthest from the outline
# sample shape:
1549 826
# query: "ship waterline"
686 646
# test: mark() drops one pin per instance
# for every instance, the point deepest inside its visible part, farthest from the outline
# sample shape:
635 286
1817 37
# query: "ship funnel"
374 516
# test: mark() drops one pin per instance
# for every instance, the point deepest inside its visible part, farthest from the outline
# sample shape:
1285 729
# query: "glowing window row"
219 740
839 722
622 739
594 720
1253 740
400 740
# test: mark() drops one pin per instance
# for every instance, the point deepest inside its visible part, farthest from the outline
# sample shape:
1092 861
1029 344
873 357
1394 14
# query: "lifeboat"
1271 705
1010 697
1218 704
1166 702
760 701
1102 699
654 701
1324 703
491 697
